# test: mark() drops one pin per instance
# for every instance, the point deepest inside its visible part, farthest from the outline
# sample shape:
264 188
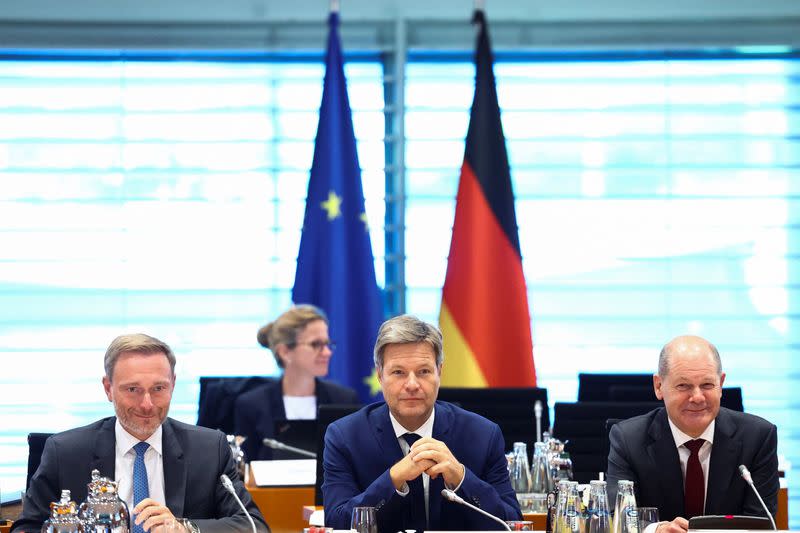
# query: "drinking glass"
647 516
364 520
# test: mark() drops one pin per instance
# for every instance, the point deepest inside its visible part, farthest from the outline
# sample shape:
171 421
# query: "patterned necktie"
141 490
419 520
694 492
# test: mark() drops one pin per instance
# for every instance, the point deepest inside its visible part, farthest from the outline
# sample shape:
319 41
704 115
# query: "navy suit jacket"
257 410
194 458
643 450
362 447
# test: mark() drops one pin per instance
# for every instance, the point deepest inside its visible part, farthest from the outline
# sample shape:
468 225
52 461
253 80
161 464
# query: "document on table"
284 472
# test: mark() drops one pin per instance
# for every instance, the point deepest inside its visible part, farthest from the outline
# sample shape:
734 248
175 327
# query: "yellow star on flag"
363 218
333 205
372 382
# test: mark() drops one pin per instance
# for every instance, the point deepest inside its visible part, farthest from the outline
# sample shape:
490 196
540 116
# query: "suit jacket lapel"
275 399
664 457
105 451
442 422
321 392
174 469
384 434
724 453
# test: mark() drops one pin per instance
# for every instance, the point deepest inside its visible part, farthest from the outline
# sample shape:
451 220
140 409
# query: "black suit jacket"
643 451
194 458
257 410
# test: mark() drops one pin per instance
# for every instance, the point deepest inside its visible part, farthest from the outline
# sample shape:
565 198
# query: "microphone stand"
278 445
453 497
537 412
749 479
226 482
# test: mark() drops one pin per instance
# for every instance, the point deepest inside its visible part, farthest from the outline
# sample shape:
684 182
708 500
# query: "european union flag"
335 268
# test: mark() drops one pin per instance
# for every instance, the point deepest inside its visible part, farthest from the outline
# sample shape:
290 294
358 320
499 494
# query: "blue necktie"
419 518
140 488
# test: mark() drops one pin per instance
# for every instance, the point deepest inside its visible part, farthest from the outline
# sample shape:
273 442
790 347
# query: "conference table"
287 509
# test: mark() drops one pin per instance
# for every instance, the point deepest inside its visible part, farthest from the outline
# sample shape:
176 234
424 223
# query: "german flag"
484 317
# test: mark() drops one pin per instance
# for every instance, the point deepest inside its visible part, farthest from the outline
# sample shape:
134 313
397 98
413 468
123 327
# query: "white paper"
284 472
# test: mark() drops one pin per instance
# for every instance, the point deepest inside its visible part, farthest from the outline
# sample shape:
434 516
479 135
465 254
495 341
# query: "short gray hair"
407 329
136 343
666 353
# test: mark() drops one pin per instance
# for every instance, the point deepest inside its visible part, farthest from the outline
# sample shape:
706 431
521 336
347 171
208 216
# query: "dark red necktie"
694 490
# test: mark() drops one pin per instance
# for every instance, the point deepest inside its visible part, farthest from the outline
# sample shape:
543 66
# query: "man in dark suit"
397 456
166 469
683 458
259 409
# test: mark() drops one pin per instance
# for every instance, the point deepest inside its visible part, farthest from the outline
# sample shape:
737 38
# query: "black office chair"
326 415
595 387
510 408
607 441
35 448
217 398
582 424
731 396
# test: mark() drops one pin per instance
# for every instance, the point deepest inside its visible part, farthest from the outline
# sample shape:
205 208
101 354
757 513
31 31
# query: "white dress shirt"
704 454
425 430
153 463
300 407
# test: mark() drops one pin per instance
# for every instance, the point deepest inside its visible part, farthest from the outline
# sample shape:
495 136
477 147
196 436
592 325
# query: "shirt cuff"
463 477
651 528
404 490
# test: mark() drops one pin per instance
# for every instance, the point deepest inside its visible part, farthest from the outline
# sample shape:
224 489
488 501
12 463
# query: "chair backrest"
327 414
35 448
595 387
731 396
218 395
510 408
607 441
582 424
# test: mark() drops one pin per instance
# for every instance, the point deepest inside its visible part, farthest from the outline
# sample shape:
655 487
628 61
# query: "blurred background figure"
302 348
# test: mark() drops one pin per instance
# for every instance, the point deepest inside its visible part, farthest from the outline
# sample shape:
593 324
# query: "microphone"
278 445
749 479
453 497
537 412
226 482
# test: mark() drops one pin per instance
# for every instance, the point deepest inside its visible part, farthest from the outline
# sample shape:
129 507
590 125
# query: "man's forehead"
409 354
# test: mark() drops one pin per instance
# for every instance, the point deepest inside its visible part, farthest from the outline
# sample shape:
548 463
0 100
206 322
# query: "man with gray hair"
167 470
683 458
397 456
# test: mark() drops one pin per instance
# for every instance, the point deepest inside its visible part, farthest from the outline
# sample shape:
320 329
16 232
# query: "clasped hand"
432 457
155 517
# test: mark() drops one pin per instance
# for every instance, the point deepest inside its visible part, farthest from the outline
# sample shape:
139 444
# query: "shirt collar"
682 438
126 441
425 430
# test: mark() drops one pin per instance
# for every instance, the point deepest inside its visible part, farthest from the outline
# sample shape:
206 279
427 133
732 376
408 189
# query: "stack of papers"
284 473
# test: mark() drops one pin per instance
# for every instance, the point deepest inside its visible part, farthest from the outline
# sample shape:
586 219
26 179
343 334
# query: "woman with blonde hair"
302 348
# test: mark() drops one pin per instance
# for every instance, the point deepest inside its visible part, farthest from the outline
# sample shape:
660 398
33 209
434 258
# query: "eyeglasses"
317 346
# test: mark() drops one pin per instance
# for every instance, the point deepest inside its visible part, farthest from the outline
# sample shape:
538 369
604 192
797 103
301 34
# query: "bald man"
684 457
